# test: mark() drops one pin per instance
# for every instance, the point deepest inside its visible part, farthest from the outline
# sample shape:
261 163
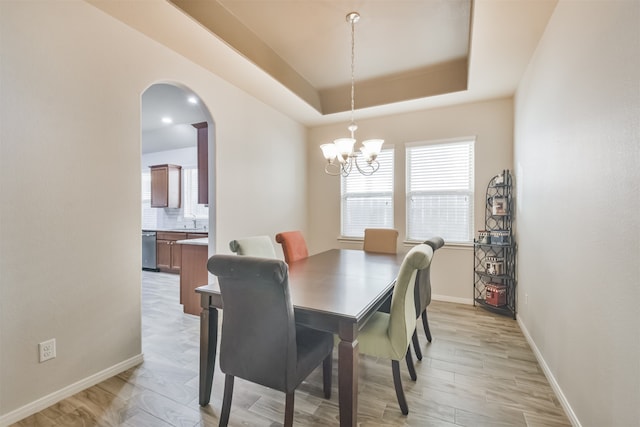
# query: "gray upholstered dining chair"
388 335
258 246
423 295
380 240
260 341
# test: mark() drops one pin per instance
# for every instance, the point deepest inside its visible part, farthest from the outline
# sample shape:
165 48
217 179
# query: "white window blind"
190 195
149 217
367 201
440 191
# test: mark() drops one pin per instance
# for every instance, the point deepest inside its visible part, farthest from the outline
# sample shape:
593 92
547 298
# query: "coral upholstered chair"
293 246
260 340
380 240
258 246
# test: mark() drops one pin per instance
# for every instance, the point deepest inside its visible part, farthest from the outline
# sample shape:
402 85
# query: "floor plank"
478 371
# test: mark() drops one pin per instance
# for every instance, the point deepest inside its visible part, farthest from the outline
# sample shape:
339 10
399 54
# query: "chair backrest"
293 245
381 240
258 246
402 320
423 279
258 329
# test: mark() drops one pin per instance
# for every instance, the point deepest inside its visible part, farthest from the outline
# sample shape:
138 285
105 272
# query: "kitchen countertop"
198 242
178 230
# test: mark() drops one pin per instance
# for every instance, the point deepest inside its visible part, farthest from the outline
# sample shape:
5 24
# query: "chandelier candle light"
340 155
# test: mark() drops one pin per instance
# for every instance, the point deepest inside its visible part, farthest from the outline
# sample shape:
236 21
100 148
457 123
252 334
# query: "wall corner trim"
63 393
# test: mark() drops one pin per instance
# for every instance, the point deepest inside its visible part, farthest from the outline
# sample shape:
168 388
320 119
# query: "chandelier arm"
370 169
347 166
332 169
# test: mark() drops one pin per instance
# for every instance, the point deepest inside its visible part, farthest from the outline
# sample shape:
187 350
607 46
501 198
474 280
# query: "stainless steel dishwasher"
149 250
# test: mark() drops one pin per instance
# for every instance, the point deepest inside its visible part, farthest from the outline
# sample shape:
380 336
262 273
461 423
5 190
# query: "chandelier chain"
340 156
353 56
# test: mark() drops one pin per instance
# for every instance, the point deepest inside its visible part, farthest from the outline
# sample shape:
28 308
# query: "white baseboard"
573 419
57 396
447 298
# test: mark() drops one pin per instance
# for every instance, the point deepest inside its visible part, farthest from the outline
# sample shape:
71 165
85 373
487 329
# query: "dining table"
336 291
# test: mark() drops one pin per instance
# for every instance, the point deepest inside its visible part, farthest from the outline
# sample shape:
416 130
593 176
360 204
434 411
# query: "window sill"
455 245
343 239
411 243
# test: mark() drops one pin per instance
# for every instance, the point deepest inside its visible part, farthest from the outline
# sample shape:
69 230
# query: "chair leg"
425 323
327 365
397 382
226 400
410 367
288 409
416 344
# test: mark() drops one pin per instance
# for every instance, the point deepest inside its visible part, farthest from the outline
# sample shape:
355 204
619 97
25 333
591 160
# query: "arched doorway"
176 129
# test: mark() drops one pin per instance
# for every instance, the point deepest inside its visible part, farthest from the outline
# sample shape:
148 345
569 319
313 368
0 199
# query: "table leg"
348 376
208 345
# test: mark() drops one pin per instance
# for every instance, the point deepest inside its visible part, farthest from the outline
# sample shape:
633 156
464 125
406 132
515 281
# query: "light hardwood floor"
478 371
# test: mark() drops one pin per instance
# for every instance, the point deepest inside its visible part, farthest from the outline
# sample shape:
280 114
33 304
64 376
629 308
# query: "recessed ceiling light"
192 100
167 120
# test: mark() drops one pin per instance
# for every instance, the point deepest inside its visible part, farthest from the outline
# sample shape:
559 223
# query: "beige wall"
70 261
577 156
491 123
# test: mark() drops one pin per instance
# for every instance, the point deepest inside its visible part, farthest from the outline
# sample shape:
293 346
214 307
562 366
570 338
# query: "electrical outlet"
526 299
47 350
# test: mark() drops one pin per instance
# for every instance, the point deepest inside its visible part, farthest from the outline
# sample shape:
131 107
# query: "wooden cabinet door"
163 254
169 253
166 186
176 256
159 187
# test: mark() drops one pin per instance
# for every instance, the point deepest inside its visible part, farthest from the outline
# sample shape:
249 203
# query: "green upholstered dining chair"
260 340
257 246
423 295
293 244
380 240
388 335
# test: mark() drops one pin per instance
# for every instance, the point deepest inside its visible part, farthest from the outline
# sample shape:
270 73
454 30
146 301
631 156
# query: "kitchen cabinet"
193 274
166 186
197 235
168 253
203 162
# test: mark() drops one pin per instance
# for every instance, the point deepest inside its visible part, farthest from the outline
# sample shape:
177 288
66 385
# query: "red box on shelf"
496 294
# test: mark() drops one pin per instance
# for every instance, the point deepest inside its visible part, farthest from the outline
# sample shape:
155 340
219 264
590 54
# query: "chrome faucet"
195 225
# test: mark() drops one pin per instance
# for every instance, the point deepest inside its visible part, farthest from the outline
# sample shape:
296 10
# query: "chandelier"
340 155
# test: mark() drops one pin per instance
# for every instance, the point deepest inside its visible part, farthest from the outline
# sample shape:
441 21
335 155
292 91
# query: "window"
149 218
190 195
440 190
155 217
367 201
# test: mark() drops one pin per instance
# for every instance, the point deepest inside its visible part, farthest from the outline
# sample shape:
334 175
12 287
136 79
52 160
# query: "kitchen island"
193 272
168 254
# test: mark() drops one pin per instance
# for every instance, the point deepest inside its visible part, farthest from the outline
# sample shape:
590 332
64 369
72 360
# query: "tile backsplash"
168 219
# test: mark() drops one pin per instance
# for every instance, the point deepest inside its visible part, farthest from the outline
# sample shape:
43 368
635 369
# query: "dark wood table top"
335 291
342 284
